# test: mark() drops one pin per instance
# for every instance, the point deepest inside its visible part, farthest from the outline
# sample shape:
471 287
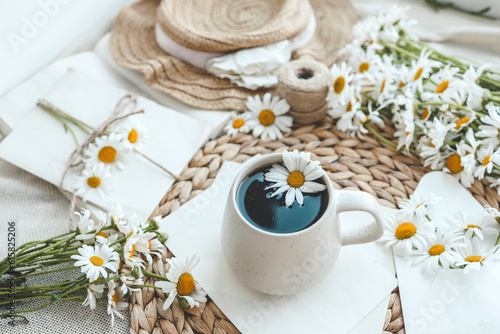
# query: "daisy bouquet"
459 242
105 258
444 109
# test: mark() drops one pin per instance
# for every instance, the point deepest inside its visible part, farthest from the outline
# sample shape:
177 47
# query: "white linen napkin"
342 303
40 145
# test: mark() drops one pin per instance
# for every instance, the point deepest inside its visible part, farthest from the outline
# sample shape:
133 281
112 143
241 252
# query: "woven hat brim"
133 46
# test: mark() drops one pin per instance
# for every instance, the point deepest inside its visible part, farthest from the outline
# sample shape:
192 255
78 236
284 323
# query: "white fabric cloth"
257 67
35 32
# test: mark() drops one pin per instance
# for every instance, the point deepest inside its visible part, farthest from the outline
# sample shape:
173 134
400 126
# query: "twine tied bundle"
124 108
304 84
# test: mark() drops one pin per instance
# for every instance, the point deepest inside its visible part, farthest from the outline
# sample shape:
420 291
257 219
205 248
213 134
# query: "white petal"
170 299
299 196
312 187
290 197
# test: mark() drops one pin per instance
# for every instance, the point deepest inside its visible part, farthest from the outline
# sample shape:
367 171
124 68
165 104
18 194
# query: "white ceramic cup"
285 263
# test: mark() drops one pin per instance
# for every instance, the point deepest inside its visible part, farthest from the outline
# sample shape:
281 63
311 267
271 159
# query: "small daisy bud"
153 224
184 303
162 237
136 273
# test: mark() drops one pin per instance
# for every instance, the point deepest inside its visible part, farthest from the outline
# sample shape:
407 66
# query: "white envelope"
449 301
19 101
40 145
353 298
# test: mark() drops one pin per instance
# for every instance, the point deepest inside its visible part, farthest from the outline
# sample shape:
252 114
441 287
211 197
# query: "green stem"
145 272
146 286
382 138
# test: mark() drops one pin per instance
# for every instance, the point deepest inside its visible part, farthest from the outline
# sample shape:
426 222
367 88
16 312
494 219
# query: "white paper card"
40 145
356 286
448 301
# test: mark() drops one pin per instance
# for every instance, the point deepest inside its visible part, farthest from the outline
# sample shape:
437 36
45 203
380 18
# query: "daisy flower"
147 244
106 238
296 177
418 71
489 130
238 123
492 212
93 291
443 86
471 225
181 283
95 179
418 204
487 157
405 129
360 119
339 87
455 166
363 62
404 232
85 225
109 150
134 132
352 105
475 255
94 261
115 302
440 251
131 259
128 280
269 120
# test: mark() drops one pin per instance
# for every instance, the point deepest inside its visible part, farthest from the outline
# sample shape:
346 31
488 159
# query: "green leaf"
57 296
42 266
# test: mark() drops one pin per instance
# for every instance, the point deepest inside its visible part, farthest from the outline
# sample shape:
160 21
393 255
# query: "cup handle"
360 201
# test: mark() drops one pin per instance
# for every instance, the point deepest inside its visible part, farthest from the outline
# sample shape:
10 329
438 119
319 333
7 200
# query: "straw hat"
218 26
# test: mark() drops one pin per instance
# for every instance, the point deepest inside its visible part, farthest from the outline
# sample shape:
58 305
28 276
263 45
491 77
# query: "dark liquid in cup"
270 213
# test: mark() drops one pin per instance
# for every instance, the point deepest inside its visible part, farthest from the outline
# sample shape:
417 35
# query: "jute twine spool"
304 84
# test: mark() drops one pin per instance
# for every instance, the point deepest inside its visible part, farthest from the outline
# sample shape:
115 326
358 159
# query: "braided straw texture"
350 163
228 25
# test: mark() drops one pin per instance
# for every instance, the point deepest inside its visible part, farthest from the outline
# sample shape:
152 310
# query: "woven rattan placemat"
366 165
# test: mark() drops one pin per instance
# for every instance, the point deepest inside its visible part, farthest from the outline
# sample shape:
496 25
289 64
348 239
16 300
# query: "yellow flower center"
349 107
418 74
486 160
436 250
185 284
102 234
474 258
94 182
418 206
107 154
442 86
382 87
131 252
96 260
115 299
454 163
338 85
296 179
266 117
238 123
364 67
473 226
401 84
461 121
405 231
132 136
149 244
425 113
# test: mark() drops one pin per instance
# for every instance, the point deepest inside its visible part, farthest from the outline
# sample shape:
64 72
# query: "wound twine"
304 84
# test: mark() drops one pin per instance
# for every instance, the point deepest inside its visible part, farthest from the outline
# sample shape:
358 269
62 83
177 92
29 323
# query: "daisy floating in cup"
181 283
298 175
269 120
